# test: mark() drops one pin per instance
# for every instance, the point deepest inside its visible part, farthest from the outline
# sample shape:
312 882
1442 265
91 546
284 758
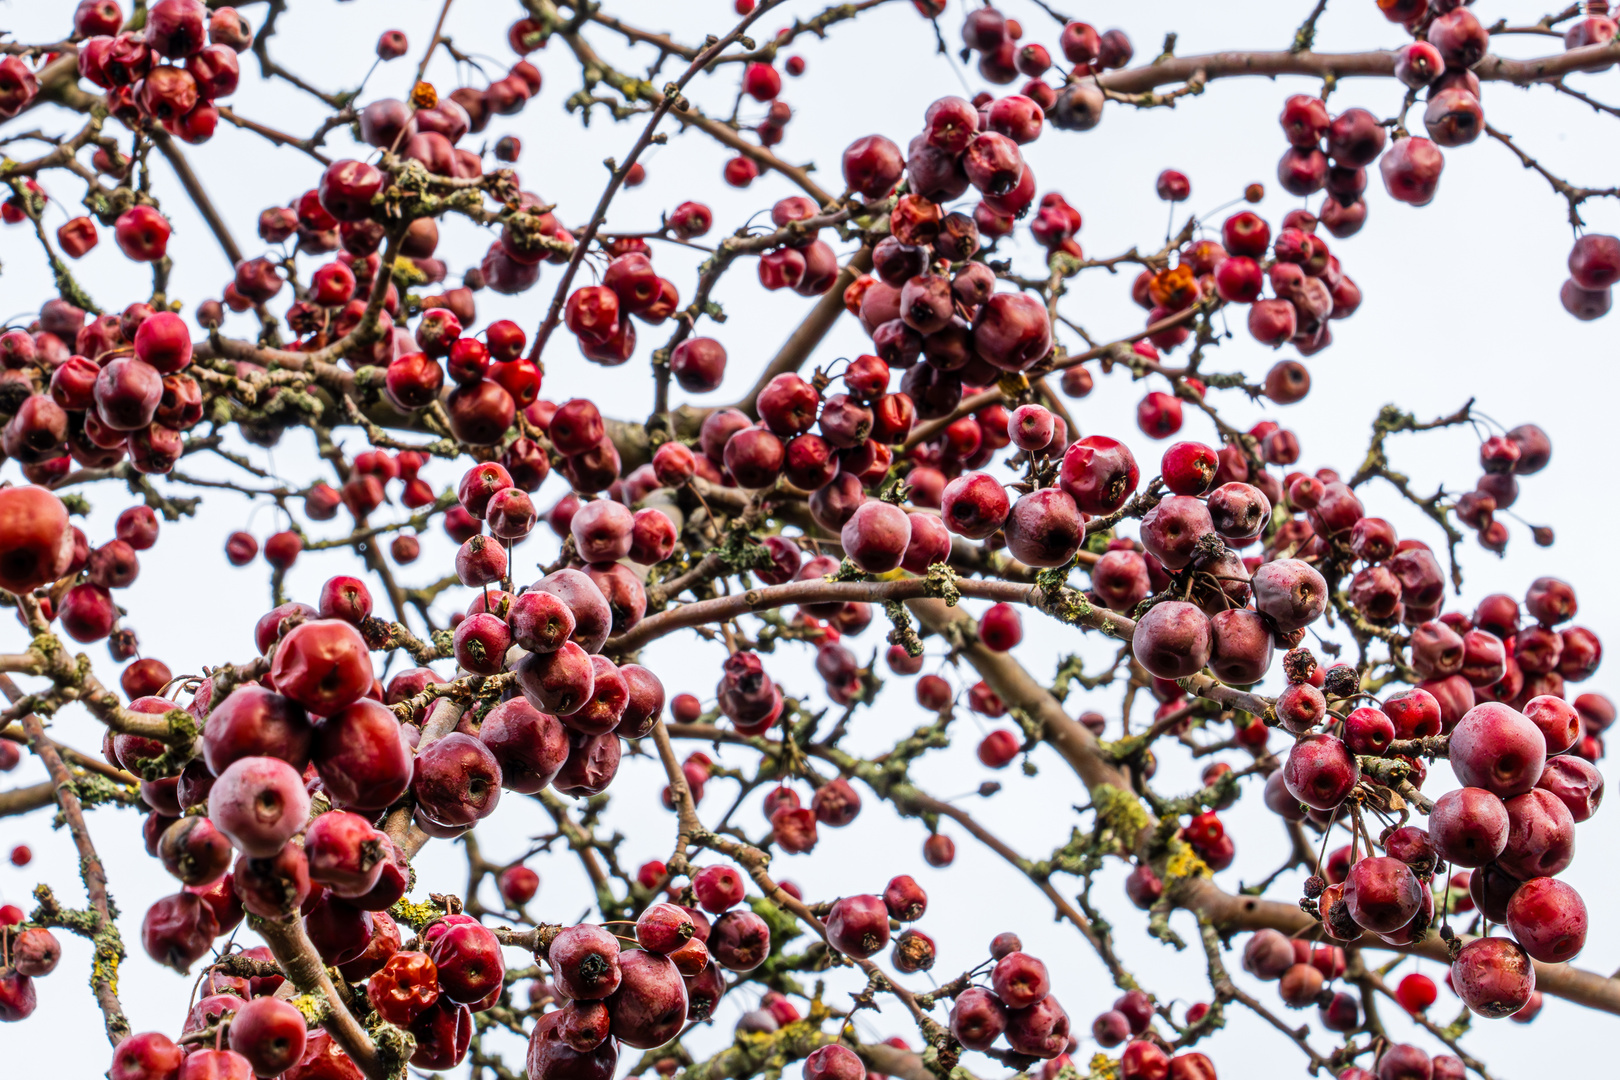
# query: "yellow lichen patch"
1118 812
313 1006
1185 863
1103 1067
415 915
104 971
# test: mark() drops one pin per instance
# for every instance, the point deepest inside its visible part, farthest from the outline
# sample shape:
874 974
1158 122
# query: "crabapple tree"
475 585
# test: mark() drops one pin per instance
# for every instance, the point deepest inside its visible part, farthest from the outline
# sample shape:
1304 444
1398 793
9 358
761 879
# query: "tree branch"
109 947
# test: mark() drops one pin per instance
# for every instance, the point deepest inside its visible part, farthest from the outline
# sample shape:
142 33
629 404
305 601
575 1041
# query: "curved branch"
23 800
670 99
293 950
1235 913
798 347
1225 65
199 197
875 592
109 947
1015 687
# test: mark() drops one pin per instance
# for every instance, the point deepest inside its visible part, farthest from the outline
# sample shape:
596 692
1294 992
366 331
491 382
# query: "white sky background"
1461 299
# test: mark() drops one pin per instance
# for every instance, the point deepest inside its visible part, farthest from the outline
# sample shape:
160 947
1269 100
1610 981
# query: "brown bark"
1224 65
109 950
1018 688
1231 914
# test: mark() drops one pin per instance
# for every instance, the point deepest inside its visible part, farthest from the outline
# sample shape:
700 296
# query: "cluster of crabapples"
1526 783
1018 1006
1493 682
1523 451
180 97
995 38
124 388
430 986
1326 153
1308 290
643 997
1307 525
1131 1017
932 310
308 768
120 389
233 826
169 73
128 65
26 953
1453 41
1304 976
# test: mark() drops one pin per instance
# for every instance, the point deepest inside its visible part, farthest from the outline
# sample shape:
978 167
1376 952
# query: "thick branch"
1018 689
1225 65
293 950
797 349
199 197
25 799
706 612
109 948
1231 914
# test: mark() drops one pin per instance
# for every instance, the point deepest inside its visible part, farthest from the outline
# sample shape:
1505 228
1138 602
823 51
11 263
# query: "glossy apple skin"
649 1007
529 746
36 540
361 756
456 780
255 722
323 665
259 803
549 1055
